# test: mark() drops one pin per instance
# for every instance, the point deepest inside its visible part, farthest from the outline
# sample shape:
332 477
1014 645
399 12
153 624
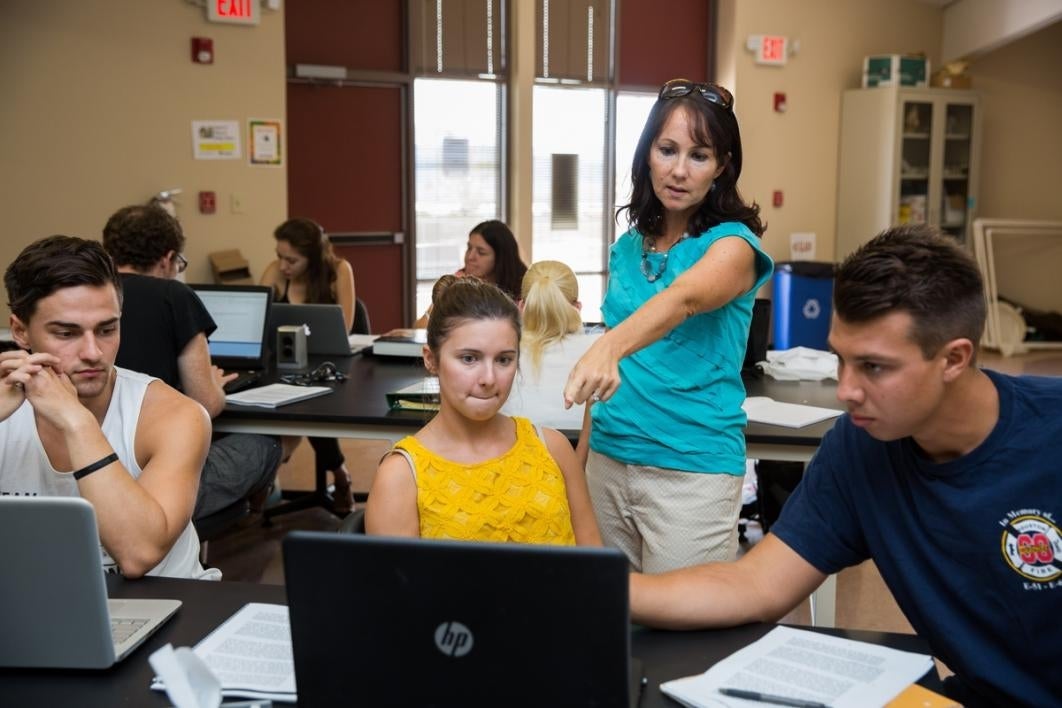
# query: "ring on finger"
595 396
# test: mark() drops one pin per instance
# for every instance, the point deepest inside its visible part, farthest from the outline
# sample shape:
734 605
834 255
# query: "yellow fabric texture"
518 497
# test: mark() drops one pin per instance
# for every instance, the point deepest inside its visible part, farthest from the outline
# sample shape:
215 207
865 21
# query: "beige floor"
252 553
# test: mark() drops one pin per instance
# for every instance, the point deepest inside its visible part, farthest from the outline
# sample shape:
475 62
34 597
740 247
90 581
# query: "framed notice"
216 139
264 142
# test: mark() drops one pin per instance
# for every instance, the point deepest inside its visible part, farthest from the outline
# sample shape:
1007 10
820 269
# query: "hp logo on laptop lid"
453 639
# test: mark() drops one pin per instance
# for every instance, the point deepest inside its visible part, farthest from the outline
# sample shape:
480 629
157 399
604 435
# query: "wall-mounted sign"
802 246
216 139
264 142
770 49
238 12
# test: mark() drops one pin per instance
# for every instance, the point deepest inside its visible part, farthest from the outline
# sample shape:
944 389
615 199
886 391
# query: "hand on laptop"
220 377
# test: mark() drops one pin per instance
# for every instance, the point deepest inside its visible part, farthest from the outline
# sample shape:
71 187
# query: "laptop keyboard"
122 629
245 379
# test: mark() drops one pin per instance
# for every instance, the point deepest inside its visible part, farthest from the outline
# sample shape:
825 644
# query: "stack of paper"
420 396
808 667
250 654
360 342
277 394
761 409
401 342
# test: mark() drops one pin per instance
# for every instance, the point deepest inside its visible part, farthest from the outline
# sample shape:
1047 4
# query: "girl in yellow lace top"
472 473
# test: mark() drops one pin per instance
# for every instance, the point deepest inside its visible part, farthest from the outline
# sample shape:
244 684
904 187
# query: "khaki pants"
664 519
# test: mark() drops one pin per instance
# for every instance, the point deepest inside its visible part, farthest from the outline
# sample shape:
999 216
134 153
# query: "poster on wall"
216 139
264 142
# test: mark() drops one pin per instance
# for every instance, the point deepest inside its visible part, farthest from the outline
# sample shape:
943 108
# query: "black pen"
769 698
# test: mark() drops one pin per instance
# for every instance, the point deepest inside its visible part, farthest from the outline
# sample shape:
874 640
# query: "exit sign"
238 12
772 50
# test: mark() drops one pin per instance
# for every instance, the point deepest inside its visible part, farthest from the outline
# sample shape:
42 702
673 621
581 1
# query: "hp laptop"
54 611
437 623
239 344
327 334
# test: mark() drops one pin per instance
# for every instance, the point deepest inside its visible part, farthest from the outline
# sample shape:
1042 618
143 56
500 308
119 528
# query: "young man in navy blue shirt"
946 475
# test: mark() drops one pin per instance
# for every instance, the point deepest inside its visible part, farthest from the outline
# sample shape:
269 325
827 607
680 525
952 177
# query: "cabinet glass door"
955 177
915 162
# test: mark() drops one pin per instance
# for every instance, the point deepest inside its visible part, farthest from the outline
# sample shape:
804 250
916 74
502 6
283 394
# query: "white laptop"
54 611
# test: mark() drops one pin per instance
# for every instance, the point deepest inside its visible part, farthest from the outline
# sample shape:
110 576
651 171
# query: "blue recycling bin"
803 301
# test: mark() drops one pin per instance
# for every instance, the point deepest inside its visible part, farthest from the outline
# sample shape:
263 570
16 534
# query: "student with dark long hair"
307 271
667 446
492 255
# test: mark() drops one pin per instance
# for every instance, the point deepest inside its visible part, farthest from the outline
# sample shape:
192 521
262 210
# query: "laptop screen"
441 623
240 313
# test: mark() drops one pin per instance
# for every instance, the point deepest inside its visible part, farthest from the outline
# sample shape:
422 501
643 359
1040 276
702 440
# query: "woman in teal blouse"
667 449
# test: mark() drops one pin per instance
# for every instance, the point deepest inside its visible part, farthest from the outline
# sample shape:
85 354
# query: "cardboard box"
895 70
230 268
942 78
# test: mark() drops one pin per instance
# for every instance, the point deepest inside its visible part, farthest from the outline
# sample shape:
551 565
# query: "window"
568 178
632 110
458 171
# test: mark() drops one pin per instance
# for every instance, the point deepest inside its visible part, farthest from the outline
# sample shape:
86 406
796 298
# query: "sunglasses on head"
713 93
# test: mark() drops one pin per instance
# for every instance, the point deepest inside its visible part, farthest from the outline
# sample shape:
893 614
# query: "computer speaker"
291 347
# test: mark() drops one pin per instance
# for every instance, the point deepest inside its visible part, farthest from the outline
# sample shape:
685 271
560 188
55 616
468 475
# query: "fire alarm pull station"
208 202
202 50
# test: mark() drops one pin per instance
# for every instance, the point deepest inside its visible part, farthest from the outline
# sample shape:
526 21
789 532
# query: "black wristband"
98 464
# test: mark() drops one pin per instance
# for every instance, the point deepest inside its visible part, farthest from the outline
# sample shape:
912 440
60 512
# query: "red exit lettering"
234 8
772 50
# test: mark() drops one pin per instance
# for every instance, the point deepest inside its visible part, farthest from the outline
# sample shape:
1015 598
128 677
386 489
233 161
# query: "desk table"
358 409
664 655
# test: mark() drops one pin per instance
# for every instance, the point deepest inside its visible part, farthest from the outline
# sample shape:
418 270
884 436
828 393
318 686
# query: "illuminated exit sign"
238 12
772 50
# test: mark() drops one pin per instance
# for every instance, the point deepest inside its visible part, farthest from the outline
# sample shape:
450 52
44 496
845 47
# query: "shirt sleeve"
820 518
190 316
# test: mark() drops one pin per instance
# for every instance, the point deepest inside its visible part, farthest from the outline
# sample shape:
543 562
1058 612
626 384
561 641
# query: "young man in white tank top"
73 424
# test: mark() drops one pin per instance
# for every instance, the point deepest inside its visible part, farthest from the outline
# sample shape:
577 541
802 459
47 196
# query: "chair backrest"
214 524
759 330
354 522
361 323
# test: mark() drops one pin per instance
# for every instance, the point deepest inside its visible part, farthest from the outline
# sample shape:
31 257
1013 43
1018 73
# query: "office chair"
353 523
759 332
215 525
361 323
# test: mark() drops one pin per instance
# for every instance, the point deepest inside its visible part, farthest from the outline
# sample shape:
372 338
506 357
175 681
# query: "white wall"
1021 160
796 151
98 103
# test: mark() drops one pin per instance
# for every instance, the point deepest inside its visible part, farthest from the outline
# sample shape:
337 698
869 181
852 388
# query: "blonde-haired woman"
552 342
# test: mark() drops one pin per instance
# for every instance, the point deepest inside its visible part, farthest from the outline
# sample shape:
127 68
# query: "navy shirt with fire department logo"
970 548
